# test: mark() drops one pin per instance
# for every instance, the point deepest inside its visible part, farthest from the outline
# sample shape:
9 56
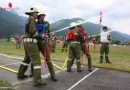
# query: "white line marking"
83 79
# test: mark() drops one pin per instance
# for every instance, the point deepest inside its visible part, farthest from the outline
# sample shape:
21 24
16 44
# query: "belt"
76 42
30 40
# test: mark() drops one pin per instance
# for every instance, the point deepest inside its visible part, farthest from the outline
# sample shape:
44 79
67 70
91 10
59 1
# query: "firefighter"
43 29
31 50
73 38
84 44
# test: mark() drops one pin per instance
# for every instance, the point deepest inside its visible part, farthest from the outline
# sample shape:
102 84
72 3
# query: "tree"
115 42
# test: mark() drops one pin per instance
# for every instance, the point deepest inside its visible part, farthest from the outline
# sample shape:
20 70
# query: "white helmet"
79 22
73 24
32 9
41 13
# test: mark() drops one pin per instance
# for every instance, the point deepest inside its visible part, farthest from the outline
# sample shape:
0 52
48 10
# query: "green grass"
9 48
119 56
6 86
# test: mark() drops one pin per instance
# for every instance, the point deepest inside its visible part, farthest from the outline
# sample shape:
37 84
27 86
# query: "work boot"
22 77
37 76
107 60
21 72
79 70
40 84
89 64
90 70
52 71
69 70
69 65
78 66
53 78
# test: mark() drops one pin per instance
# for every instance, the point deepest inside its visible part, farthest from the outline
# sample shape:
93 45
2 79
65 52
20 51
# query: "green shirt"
30 27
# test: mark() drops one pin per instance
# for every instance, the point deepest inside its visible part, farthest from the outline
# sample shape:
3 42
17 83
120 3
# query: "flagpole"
100 27
100 21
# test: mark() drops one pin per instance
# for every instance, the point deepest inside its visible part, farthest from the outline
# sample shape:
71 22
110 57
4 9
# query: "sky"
116 13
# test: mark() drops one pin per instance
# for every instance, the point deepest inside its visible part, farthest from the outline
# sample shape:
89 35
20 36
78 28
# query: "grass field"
6 86
119 55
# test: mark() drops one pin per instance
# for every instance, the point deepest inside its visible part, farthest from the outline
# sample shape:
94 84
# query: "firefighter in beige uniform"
31 50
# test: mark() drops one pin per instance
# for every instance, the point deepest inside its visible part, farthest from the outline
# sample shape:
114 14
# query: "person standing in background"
105 37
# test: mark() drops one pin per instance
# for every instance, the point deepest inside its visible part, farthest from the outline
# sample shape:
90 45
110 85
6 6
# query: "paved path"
100 79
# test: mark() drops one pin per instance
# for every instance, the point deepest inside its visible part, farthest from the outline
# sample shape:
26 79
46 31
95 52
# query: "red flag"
10 5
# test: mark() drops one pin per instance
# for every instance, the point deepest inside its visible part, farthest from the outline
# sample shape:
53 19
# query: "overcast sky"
116 12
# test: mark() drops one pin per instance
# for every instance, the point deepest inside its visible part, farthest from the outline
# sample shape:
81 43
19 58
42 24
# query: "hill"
91 28
11 24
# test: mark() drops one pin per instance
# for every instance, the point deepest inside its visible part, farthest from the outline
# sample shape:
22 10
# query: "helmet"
79 23
73 24
32 9
41 13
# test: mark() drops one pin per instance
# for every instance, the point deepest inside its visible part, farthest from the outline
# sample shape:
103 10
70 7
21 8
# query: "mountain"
62 24
11 24
91 28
